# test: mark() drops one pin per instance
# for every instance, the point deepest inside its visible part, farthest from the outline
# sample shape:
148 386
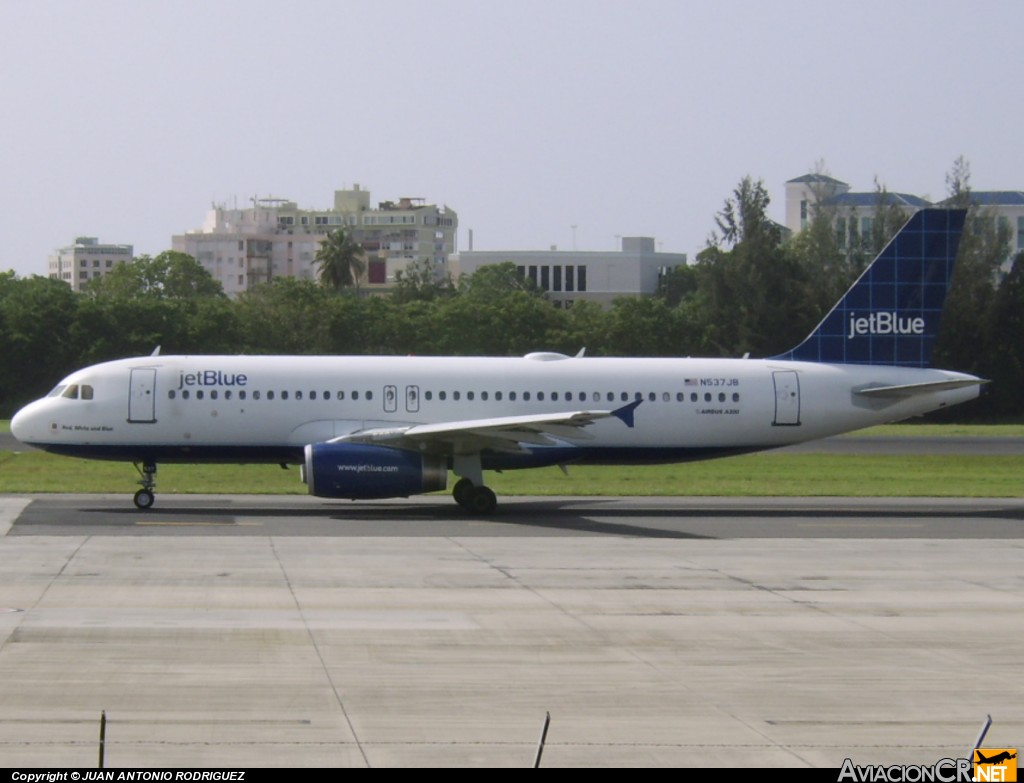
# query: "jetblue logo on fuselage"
884 323
211 378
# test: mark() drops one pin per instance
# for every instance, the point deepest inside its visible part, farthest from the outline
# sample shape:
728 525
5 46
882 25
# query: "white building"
275 238
854 213
574 276
86 260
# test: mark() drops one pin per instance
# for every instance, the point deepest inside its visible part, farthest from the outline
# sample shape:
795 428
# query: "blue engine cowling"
353 470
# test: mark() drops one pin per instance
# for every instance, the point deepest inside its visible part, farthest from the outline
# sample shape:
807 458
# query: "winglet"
625 413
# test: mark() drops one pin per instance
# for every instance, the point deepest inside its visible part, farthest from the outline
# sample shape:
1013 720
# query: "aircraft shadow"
591 516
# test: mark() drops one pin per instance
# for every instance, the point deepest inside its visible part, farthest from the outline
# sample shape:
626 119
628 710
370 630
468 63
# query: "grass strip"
770 474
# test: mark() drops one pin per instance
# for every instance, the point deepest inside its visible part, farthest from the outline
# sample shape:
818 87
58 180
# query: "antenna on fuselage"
156 351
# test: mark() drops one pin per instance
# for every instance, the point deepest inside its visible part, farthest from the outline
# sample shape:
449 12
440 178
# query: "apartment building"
244 247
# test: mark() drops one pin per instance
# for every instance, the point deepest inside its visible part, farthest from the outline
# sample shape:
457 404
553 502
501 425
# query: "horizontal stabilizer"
910 389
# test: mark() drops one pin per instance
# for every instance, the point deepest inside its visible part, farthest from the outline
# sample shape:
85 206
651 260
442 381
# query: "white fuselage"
267 408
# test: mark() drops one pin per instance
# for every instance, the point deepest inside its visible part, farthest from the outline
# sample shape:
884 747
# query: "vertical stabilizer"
891 315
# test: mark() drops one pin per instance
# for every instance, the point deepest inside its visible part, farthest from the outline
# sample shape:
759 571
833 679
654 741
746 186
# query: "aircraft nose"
21 425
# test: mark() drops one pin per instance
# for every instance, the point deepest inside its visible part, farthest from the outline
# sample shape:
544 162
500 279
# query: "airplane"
393 426
996 759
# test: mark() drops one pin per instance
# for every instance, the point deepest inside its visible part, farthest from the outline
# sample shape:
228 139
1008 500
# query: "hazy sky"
125 120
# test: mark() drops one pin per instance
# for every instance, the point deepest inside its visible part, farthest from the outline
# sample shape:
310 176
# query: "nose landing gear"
145 498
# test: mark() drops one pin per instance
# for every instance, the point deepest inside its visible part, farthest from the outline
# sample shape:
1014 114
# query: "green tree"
39 345
752 294
497 312
168 300
1004 364
984 247
420 282
678 284
169 275
340 259
285 316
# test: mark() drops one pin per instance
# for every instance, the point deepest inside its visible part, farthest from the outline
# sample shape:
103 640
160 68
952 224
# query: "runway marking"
184 524
860 524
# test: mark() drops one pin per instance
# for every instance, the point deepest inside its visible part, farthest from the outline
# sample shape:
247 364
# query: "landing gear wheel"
480 500
145 498
461 491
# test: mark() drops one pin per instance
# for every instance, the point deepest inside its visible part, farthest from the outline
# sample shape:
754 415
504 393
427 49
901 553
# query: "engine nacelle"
357 471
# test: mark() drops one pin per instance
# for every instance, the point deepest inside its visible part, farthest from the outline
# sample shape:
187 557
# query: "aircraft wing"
500 433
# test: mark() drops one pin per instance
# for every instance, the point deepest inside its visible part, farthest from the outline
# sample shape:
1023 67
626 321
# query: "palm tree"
340 261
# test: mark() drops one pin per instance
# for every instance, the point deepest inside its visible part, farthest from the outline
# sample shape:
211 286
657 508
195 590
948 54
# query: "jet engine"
357 471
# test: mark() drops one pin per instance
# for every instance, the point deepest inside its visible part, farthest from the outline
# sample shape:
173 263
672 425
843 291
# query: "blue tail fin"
891 314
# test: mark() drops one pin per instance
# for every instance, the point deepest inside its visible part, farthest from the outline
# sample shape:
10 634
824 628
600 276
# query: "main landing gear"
145 498
475 499
469 491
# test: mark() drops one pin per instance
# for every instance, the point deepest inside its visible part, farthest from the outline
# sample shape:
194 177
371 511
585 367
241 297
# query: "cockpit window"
74 391
56 391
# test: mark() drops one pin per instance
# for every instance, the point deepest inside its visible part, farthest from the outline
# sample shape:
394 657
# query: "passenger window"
184 394
213 394
341 395
735 396
680 396
327 395
526 396
298 395
637 396
456 395
554 396
651 396
497 396
355 395
256 394
721 396
707 396
227 394
512 396
442 395
171 394
693 396
624 397
469 395
270 395
483 396
312 395
284 395
428 395
241 394
369 395
199 394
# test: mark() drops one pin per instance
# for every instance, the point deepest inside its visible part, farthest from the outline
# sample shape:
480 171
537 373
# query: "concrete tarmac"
270 631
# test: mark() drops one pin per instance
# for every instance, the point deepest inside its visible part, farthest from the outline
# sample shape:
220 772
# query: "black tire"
482 501
144 499
461 491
